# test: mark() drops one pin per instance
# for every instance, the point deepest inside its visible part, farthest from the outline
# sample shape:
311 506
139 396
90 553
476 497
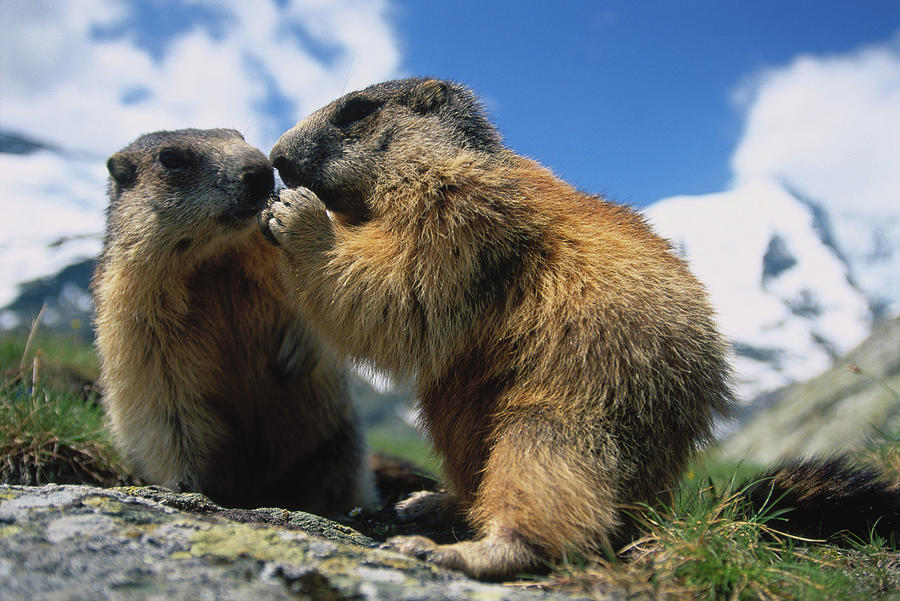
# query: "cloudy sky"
636 100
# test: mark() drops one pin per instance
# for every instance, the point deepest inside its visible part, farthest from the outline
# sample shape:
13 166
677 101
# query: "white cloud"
48 221
829 125
44 42
64 84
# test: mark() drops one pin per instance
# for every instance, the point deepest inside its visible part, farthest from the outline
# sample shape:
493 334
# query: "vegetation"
708 545
51 427
703 543
386 431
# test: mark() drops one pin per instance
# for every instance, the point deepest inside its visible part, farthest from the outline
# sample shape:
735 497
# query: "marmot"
566 362
212 380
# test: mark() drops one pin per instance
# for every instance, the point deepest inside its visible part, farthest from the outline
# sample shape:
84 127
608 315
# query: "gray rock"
79 542
843 409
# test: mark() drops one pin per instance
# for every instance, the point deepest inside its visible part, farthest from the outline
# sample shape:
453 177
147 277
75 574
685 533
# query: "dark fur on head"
240 175
341 153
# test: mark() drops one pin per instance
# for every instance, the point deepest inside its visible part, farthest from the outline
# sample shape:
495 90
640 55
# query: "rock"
843 409
80 542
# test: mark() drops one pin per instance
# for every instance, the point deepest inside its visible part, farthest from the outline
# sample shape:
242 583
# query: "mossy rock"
80 542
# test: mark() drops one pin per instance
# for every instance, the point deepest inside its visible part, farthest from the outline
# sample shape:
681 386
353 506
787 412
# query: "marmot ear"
121 169
429 96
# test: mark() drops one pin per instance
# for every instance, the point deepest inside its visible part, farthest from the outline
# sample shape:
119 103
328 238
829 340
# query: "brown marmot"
566 361
212 381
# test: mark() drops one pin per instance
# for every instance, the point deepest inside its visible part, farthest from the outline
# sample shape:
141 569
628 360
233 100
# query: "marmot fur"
211 379
566 361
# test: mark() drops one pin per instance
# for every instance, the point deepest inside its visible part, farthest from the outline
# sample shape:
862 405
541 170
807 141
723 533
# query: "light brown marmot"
212 381
566 361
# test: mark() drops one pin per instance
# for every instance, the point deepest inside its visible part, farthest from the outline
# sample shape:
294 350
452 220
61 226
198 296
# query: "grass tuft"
52 437
707 544
51 427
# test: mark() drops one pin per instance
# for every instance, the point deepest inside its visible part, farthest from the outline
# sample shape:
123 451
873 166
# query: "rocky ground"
78 542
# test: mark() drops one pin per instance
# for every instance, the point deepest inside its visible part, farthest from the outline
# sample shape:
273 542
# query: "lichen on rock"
80 542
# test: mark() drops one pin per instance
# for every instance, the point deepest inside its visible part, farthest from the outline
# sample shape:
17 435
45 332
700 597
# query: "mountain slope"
841 409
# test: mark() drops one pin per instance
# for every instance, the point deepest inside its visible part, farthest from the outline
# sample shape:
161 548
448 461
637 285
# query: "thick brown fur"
566 361
212 381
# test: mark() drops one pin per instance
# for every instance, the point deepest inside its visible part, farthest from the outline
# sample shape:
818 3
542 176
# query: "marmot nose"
258 182
285 170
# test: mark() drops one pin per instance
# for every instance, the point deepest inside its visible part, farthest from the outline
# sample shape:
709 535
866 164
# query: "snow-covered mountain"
871 246
786 289
51 202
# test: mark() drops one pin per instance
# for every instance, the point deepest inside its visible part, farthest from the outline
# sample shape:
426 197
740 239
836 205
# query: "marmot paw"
419 547
427 507
277 220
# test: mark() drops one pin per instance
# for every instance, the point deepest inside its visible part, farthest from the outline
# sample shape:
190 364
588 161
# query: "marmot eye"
353 110
173 158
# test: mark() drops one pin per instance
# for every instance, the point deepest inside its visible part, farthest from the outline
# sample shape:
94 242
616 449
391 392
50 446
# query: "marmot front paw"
285 208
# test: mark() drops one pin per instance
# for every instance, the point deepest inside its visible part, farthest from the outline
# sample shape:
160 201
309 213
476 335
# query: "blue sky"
630 99
633 99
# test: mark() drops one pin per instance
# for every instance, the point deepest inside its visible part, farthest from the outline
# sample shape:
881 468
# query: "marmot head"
188 184
340 151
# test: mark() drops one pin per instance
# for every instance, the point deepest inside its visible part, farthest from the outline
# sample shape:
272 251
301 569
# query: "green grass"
884 453
408 445
705 544
65 362
51 427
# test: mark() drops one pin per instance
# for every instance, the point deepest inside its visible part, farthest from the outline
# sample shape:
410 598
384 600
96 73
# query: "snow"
871 245
52 205
787 323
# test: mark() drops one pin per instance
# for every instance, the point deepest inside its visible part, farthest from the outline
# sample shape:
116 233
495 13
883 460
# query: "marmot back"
212 380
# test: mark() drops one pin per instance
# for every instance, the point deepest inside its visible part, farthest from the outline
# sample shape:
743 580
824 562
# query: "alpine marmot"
566 362
212 380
